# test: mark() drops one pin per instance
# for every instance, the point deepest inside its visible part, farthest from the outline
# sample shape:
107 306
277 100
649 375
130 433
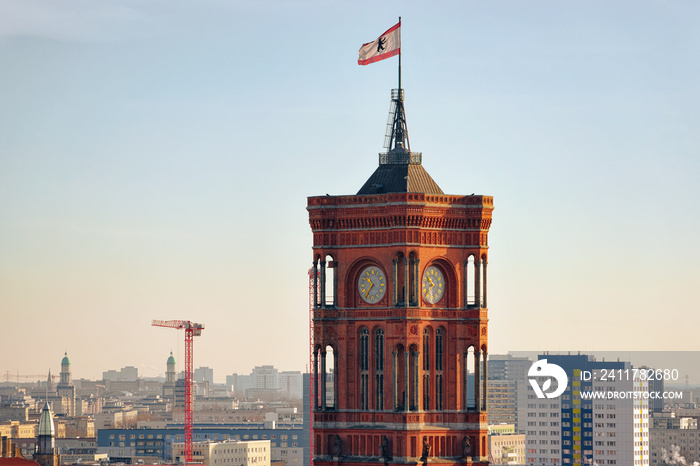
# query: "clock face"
372 285
433 285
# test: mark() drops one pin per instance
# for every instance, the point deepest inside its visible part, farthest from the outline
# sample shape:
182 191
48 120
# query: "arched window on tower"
484 376
470 282
413 279
400 373
469 379
325 281
476 379
414 376
319 369
400 279
379 369
426 368
439 360
364 369
330 282
482 281
316 270
330 378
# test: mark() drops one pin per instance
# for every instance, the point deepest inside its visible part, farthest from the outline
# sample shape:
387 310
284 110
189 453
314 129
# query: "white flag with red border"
387 45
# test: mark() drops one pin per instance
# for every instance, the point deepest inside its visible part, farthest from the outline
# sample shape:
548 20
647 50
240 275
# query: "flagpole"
400 66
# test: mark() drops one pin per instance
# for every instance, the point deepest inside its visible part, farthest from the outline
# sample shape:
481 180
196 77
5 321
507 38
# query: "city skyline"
684 363
156 161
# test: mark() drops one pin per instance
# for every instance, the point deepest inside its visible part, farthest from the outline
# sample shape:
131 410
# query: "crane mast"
312 373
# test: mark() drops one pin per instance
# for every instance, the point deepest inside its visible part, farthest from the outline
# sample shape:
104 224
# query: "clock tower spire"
399 170
400 316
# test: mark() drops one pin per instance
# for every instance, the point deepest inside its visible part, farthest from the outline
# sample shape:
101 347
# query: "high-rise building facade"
203 374
673 440
575 429
239 383
502 400
508 367
265 377
266 383
400 316
290 384
507 391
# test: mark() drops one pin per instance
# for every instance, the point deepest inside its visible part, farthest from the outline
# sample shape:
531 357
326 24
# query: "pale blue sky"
156 156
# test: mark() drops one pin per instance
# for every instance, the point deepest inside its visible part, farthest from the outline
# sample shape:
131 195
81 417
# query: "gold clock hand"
369 288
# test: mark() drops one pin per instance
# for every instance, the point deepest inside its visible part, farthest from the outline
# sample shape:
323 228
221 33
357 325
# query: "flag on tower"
387 45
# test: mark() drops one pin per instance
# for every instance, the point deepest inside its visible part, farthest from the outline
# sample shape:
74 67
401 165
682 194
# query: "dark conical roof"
400 171
400 179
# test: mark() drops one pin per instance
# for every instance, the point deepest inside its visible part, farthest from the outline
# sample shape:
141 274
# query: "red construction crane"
312 372
191 330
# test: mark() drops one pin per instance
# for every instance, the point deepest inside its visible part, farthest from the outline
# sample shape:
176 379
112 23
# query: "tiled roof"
17 462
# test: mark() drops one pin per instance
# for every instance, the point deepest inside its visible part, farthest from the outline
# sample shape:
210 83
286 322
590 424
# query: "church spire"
65 370
46 453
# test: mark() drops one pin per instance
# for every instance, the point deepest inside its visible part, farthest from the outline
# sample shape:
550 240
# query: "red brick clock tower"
400 318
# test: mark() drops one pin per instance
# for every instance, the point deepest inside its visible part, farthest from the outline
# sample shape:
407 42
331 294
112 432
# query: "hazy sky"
156 157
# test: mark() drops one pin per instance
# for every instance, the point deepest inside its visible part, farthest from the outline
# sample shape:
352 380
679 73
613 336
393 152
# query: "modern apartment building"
674 439
574 429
